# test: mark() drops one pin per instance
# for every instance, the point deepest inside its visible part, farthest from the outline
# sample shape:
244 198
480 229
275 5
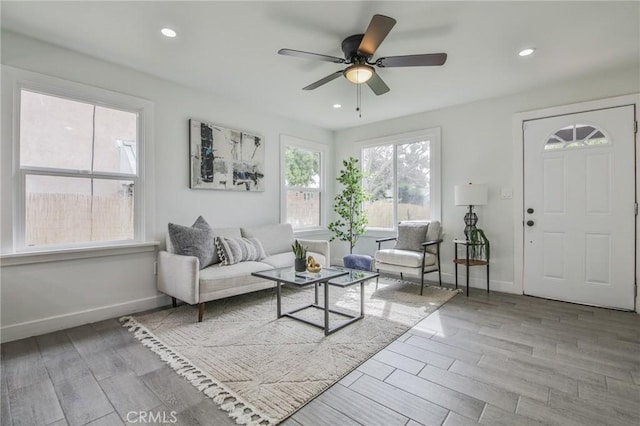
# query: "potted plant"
300 254
480 246
348 205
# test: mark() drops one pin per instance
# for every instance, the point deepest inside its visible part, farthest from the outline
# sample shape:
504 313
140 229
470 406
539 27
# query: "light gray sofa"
181 277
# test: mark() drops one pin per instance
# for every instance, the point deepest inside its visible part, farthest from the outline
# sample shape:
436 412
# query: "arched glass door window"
576 136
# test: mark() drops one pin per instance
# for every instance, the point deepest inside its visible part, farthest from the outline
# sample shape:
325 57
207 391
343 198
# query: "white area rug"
261 369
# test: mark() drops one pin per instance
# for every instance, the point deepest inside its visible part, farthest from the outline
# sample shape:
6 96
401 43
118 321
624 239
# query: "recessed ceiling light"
337 106
168 32
526 52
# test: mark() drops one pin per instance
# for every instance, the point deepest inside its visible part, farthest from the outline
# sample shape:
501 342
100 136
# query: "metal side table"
467 261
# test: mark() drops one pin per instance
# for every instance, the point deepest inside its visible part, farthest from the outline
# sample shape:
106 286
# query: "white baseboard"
475 282
74 319
478 282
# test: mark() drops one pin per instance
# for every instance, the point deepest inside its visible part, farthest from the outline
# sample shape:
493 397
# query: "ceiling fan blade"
377 85
322 81
378 29
428 59
309 55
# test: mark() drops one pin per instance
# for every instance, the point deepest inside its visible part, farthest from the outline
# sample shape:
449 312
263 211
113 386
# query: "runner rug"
261 369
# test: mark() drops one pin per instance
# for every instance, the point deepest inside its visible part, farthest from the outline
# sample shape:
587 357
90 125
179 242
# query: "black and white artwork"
227 159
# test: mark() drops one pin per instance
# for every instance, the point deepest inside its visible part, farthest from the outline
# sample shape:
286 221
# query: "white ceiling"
229 48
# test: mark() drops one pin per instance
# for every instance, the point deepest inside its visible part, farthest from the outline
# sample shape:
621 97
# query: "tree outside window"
303 187
398 175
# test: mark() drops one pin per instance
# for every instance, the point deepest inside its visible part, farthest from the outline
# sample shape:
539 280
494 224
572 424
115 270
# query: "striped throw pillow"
235 250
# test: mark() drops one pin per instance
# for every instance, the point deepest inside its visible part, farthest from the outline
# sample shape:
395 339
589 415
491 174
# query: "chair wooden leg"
200 311
401 277
174 302
422 283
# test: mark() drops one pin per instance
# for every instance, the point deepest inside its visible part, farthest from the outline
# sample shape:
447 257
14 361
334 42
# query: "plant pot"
300 265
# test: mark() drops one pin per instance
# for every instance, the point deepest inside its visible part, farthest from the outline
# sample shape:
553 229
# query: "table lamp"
470 195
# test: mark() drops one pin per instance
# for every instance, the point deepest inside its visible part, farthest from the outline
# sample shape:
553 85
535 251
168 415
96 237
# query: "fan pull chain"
359 100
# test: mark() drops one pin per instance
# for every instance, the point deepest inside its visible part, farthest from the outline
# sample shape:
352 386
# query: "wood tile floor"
492 359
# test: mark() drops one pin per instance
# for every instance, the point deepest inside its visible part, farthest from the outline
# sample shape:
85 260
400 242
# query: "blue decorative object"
362 262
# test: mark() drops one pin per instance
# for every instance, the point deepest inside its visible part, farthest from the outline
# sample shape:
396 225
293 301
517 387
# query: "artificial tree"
348 205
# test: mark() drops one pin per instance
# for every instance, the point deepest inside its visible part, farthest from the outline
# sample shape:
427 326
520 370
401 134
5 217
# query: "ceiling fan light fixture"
359 73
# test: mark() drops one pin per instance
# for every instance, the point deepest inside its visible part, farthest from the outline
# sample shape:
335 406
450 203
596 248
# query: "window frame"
433 136
287 141
575 143
38 83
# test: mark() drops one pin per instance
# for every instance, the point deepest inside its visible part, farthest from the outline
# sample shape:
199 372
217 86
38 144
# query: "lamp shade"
471 195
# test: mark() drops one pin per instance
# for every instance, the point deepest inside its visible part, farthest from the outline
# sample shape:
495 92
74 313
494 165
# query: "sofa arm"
318 246
178 276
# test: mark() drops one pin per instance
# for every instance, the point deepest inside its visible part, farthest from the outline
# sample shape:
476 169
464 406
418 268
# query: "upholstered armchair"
416 252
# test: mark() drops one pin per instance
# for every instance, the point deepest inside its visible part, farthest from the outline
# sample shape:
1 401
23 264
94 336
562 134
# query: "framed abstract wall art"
226 159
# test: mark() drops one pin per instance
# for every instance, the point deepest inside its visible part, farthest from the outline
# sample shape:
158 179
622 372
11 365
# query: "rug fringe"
239 410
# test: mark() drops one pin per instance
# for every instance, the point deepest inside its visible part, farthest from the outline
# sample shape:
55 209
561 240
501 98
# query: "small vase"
300 265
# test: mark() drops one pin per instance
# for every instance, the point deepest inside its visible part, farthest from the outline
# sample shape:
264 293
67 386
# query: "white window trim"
431 134
582 145
295 142
13 81
58 255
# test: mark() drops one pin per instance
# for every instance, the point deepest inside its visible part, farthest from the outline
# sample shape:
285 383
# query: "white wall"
42 297
477 146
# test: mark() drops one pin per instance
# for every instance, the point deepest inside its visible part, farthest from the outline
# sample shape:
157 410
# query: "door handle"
529 210
530 223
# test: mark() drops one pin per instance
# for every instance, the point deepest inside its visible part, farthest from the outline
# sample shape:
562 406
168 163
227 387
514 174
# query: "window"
303 183
402 175
576 136
79 168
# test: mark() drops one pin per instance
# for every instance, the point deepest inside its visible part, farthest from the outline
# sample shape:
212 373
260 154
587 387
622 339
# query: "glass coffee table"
332 277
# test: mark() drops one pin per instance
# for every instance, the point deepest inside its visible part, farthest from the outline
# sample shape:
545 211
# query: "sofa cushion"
220 277
410 259
411 235
193 241
236 250
282 260
274 238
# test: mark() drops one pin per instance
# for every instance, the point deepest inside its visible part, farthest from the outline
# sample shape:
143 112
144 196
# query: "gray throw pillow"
411 236
200 223
196 240
235 250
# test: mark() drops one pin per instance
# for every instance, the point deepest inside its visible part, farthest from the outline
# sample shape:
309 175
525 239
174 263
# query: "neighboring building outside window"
402 176
79 171
303 185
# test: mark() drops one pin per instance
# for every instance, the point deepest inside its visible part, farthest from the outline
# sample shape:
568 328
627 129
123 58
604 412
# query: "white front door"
579 195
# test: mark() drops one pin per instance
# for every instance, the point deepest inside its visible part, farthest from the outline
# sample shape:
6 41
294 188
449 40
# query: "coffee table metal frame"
333 276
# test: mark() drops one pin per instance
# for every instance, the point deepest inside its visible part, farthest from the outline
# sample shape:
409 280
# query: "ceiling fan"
358 53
